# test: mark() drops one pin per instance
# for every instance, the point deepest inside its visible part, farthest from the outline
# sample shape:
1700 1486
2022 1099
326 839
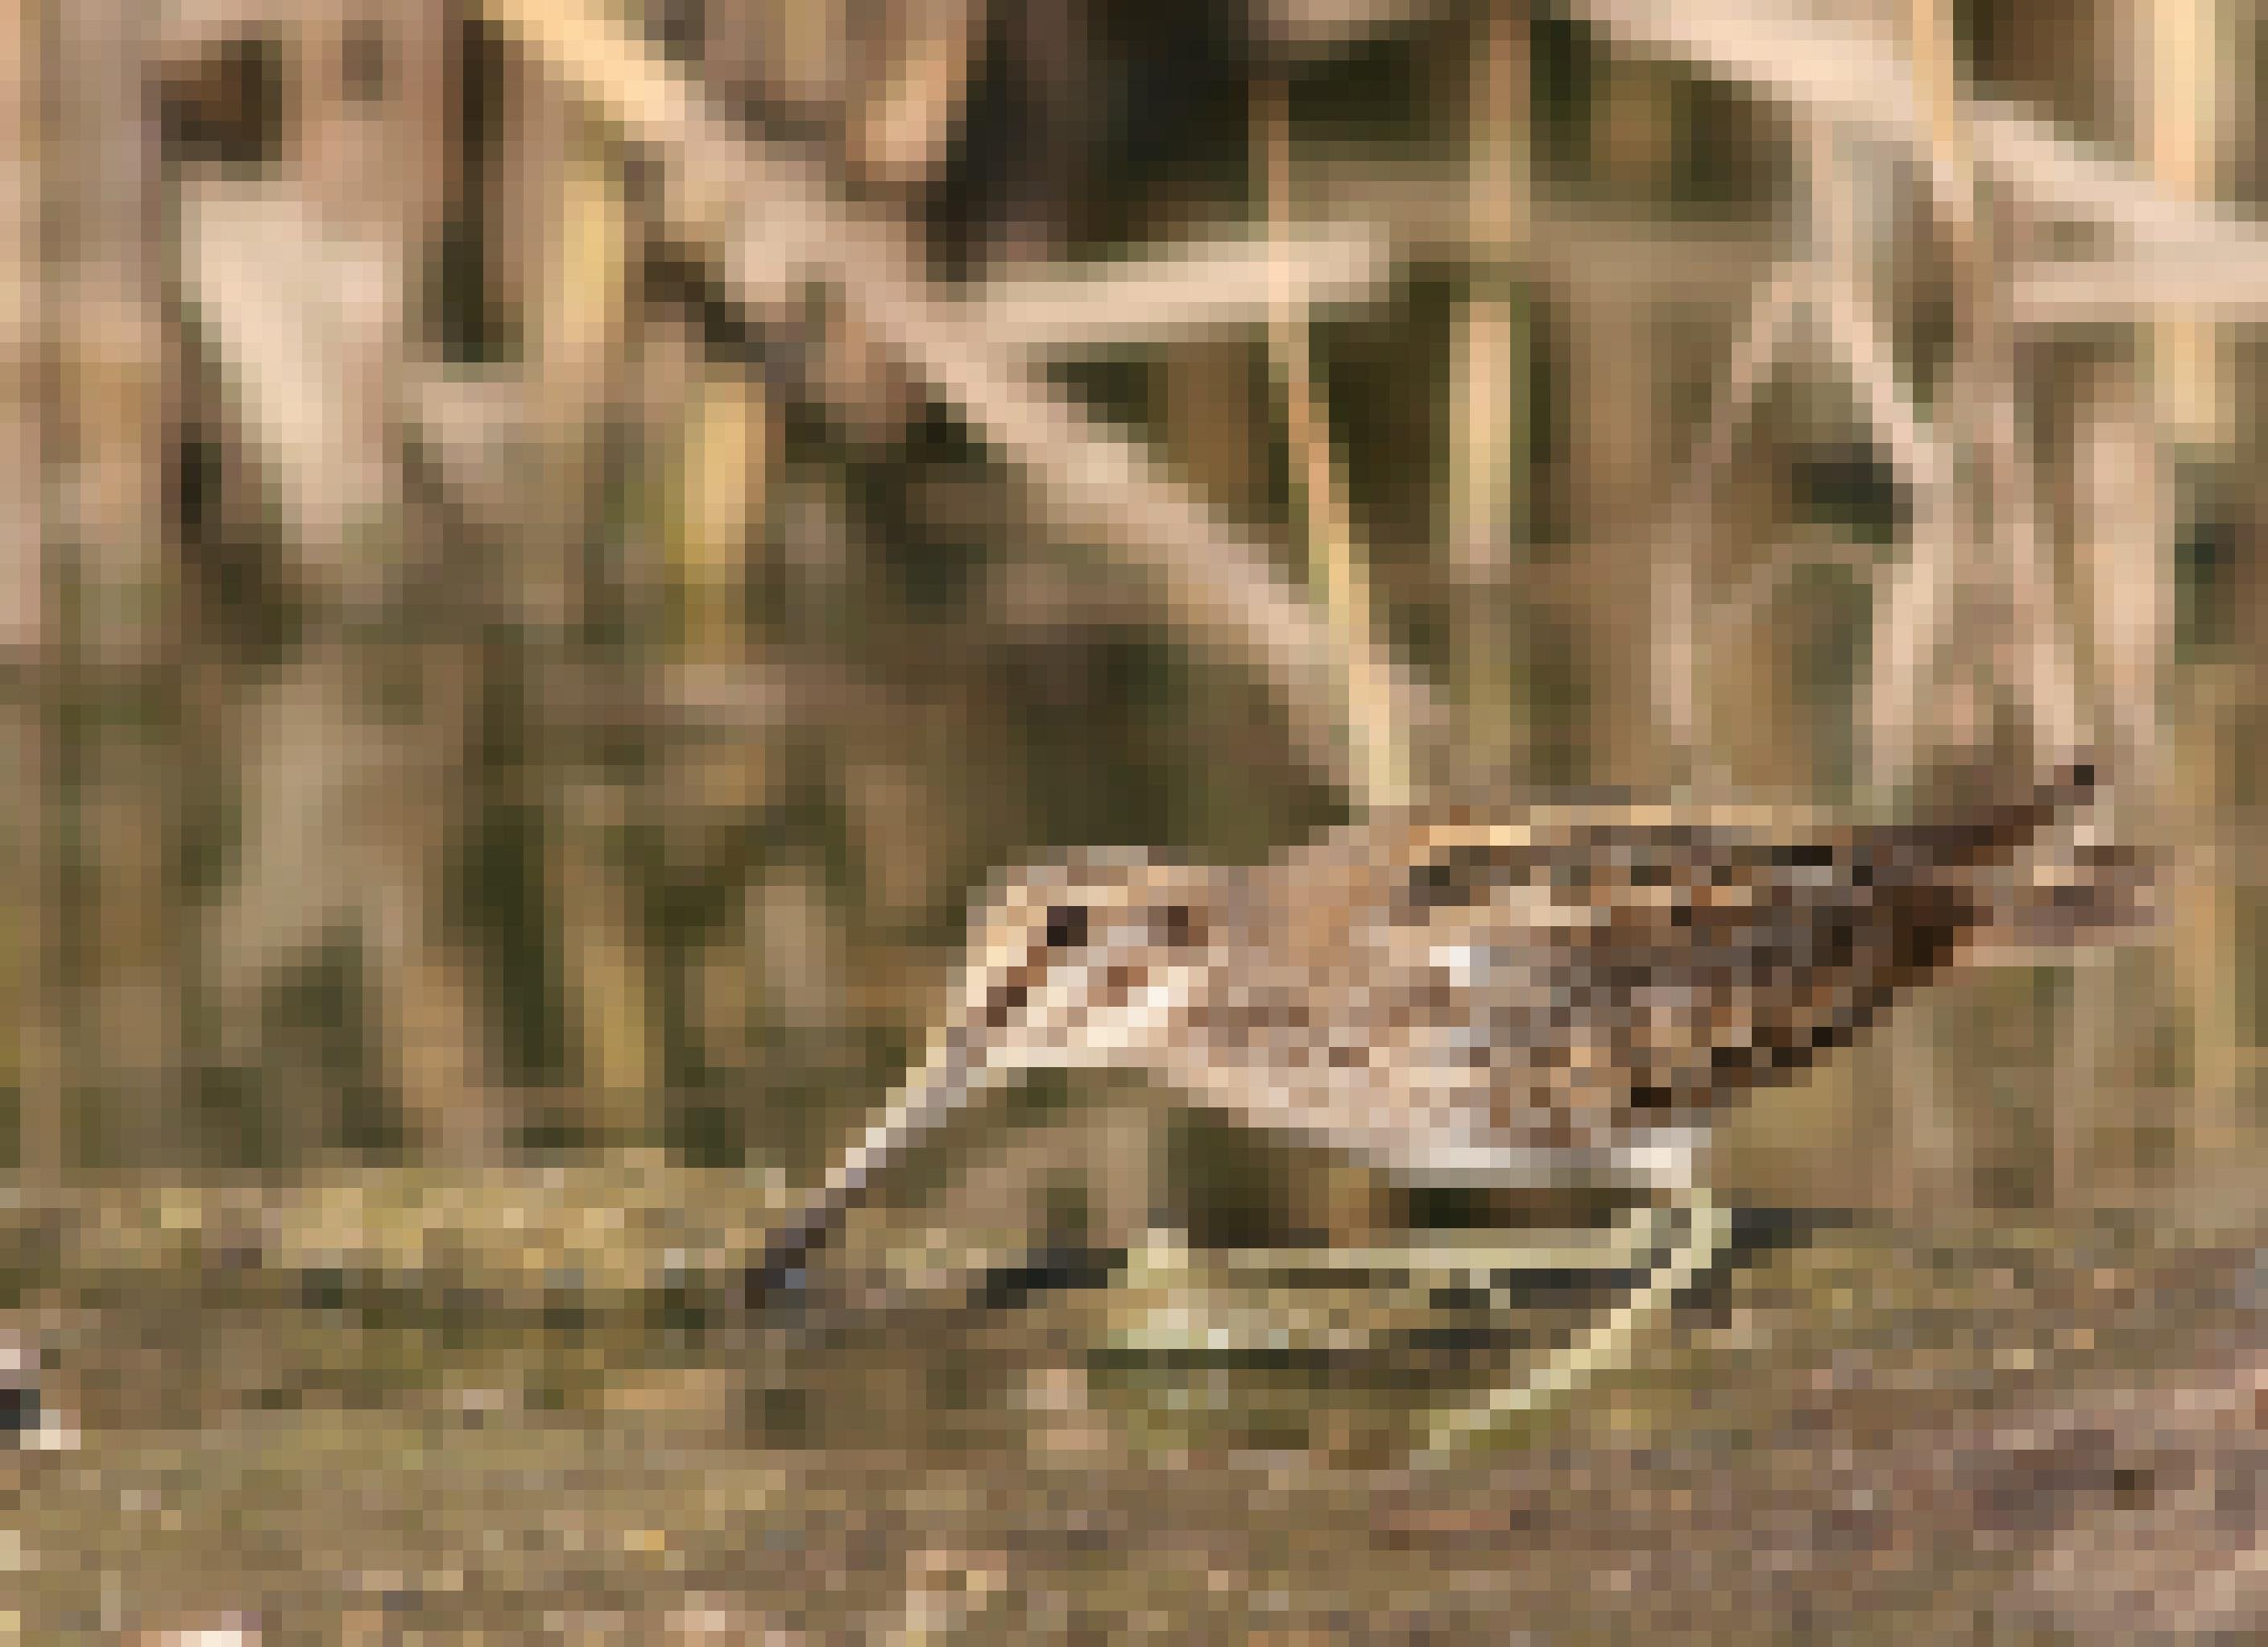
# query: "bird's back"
1451 990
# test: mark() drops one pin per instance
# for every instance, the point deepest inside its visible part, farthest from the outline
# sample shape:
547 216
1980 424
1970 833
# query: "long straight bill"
942 1087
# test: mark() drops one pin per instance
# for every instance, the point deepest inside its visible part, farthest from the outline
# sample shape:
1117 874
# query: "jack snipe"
1478 997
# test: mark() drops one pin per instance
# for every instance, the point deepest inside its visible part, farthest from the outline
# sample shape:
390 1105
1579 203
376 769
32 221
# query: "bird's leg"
1598 1348
1224 1301
1411 1270
1670 1247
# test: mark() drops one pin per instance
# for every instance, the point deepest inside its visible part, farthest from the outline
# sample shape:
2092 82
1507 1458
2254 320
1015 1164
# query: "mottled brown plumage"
1465 996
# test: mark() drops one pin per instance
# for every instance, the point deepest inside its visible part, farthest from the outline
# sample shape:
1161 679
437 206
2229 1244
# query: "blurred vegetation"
556 550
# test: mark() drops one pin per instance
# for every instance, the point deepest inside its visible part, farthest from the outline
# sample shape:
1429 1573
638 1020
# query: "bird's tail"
2045 883
1964 834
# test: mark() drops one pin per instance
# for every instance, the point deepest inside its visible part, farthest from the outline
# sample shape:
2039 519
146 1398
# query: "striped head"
1094 960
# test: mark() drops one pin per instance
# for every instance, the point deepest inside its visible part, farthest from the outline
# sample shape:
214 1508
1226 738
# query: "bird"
1473 996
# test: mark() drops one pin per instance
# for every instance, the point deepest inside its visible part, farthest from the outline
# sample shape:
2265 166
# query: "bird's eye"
1066 926
1175 926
